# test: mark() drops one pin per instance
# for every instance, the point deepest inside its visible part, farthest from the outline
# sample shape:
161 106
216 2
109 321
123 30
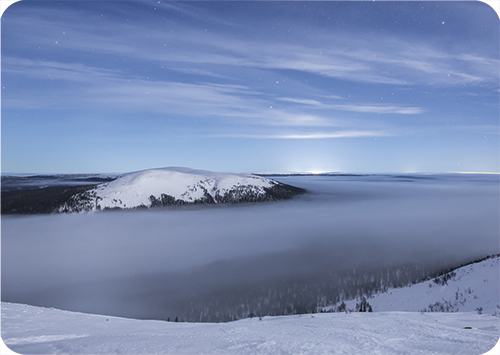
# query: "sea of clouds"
135 263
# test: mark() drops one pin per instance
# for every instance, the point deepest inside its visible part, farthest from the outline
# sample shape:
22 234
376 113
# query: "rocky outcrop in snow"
178 186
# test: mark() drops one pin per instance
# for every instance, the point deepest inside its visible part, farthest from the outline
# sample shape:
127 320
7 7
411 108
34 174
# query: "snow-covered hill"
178 186
471 288
388 330
36 330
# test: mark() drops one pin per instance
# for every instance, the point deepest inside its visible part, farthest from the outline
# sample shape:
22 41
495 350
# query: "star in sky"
250 86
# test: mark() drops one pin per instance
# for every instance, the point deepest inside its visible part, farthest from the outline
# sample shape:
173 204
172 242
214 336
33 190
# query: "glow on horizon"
477 172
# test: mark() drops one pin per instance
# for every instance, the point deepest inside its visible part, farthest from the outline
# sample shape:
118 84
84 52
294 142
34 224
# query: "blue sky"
91 86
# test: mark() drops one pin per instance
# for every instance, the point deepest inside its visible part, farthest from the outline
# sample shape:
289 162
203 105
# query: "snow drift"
178 186
53 331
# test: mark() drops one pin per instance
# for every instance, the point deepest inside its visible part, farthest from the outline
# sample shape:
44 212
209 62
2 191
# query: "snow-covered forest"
332 331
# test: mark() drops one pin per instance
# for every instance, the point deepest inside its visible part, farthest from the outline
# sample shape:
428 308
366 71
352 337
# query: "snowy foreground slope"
178 186
27 329
30 330
471 288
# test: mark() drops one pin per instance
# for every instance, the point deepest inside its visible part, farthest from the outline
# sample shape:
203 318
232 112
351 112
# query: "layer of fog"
128 262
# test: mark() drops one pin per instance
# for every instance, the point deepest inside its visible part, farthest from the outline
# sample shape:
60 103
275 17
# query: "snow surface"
473 286
36 330
185 184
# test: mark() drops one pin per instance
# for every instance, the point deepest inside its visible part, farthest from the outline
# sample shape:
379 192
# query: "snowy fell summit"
178 186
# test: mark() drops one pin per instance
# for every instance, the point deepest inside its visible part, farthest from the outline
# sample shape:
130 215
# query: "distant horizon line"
304 172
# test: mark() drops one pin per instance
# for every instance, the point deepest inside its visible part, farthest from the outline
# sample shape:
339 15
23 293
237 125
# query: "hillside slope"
142 189
178 186
36 330
471 288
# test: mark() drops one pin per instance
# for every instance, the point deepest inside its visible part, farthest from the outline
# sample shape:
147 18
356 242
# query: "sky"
358 87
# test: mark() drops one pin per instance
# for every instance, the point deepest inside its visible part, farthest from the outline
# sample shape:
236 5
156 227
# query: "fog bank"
128 262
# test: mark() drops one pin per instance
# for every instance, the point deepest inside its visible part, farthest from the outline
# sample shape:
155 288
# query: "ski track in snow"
36 330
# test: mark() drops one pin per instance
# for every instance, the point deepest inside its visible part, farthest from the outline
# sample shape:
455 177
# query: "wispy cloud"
385 109
199 14
390 59
360 107
232 104
320 135
114 90
215 56
52 70
255 70
301 101
386 61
